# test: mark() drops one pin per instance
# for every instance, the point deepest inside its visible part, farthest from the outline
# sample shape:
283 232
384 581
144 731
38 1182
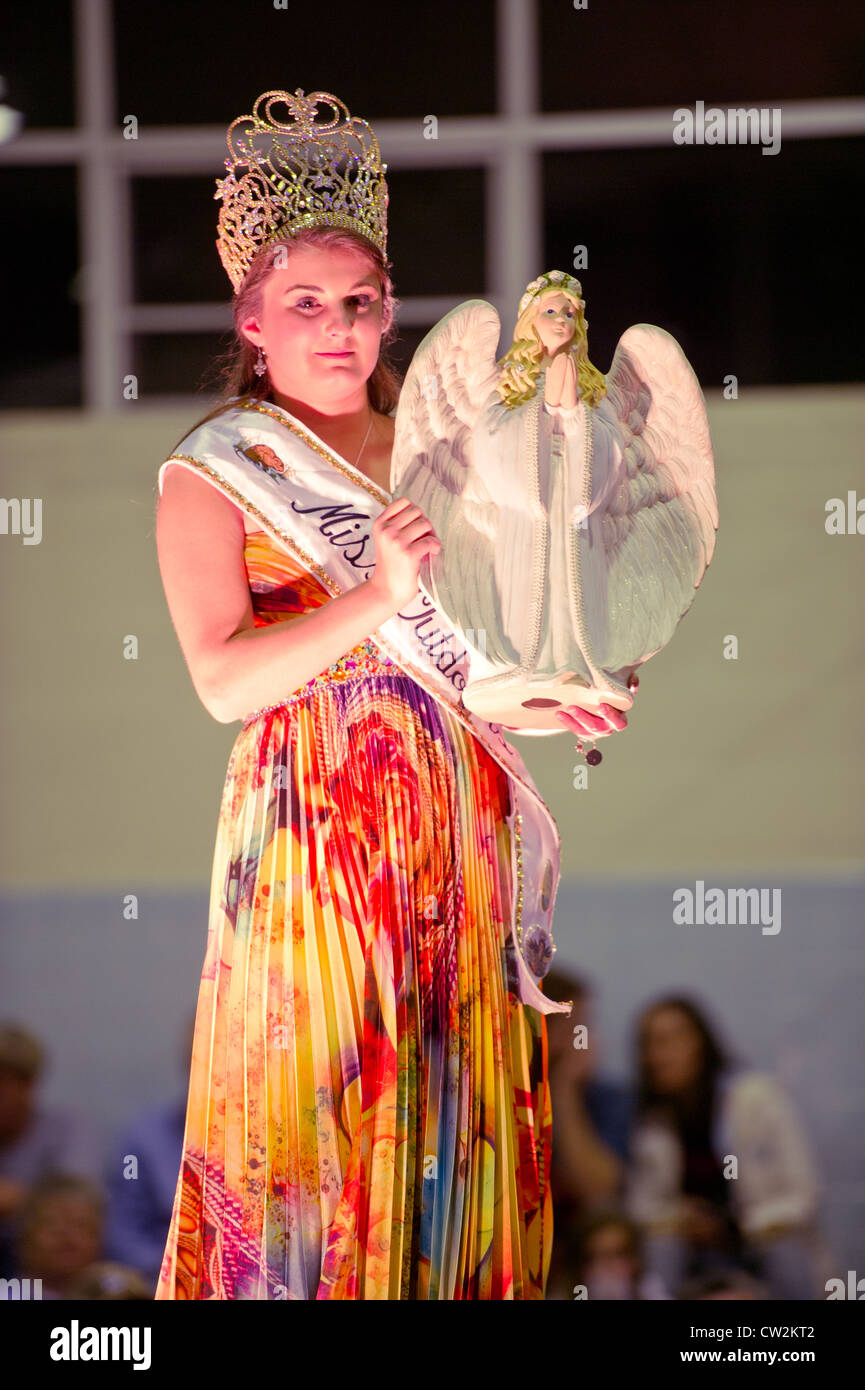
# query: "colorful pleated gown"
368 1112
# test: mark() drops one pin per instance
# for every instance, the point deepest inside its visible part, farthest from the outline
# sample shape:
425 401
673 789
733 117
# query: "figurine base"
518 704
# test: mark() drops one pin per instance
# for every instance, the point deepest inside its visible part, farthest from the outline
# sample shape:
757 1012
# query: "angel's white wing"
660 509
446 388
447 391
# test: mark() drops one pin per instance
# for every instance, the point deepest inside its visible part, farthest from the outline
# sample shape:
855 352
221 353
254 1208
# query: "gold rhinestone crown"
284 175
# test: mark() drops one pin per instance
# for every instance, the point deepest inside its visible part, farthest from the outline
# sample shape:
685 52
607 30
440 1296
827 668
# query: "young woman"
723 1175
368 1112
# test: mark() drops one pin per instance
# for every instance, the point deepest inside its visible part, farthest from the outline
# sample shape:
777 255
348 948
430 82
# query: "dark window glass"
40 348
617 53
202 64
38 63
747 259
178 364
406 344
174 240
436 231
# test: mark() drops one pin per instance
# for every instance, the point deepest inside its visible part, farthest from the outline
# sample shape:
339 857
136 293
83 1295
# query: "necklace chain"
366 436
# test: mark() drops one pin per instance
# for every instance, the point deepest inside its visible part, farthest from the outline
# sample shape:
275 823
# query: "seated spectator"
35 1140
58 1233
609 1263
104 1281
727 1285
722 1176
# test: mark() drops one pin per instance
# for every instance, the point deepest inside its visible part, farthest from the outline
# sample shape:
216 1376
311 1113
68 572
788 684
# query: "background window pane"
436 231
747 259
178 364
174 240
37 63
39 351
194 64
619 54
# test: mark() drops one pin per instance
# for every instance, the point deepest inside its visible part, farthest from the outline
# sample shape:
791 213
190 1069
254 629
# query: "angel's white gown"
569 443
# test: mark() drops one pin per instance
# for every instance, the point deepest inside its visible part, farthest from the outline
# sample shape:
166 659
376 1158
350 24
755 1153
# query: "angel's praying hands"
560 385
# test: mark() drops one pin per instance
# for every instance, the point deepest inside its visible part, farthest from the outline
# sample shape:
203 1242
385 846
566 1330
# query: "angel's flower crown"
552 279
284 175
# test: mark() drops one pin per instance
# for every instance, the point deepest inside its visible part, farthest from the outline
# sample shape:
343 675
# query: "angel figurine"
577 512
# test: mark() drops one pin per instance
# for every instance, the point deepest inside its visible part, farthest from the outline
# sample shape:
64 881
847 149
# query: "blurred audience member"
35 1140
722 1174
725 1285
590 1125
104 1281
609 1262
142 1178
59 1232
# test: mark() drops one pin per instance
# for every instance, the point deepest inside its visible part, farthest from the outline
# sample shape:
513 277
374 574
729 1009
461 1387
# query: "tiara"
550 280
284 175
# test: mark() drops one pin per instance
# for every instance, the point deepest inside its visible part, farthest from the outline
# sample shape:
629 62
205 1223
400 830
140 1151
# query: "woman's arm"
778 1185
235 667
589 1170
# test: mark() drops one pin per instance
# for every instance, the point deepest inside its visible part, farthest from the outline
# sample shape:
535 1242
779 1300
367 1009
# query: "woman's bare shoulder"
189 496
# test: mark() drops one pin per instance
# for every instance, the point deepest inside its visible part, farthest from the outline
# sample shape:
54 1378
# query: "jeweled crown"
284 175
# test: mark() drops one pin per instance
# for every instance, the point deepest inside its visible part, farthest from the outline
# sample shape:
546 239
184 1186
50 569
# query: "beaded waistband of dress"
363 660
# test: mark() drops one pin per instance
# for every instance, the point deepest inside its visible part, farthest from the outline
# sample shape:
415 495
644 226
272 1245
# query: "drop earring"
260 366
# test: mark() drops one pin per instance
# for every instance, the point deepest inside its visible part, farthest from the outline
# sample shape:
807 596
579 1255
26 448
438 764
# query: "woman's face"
555 321
672 1050
64 1238
611 1257
320 326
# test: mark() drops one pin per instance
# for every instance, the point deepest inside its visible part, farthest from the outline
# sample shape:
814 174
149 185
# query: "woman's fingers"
616 717
406 520
608 720
398 513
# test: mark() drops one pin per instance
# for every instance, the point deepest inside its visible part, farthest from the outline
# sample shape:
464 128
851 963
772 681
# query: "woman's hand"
403 537
608 720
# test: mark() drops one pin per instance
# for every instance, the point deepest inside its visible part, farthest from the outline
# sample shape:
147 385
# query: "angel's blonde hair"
521 364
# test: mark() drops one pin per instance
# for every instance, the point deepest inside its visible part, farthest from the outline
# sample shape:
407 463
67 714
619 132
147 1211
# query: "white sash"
320 509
